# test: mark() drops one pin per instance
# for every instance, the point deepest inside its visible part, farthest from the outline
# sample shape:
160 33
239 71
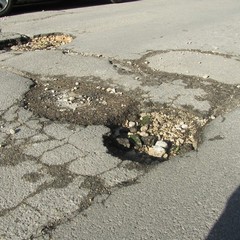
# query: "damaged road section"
90 124
135 135
49 41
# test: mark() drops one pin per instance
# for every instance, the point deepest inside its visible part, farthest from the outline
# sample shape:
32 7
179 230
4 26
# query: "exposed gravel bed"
159 134
40 42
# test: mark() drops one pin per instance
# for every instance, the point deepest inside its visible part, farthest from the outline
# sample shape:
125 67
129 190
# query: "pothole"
40 42
156 135
146 135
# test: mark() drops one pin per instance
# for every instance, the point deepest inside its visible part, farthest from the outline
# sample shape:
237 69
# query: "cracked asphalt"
58 178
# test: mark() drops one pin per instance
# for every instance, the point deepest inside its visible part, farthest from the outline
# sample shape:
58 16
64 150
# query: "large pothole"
146 135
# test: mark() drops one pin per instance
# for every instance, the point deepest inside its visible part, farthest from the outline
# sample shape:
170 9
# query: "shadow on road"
228 225
56 5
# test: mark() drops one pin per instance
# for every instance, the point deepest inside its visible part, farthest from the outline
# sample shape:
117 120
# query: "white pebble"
144 128
131 124
156 151
205 76
12 131
161 144
71 98
184 126
143 134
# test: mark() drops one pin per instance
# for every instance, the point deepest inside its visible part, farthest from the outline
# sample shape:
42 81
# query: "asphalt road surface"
63 176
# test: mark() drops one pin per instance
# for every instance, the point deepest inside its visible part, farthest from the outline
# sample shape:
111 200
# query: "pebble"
161 144
71 98
111 90
123 142
143 134
156 151
12 131
165 156
133 130
149 140
131 124
184 126
205 76
144 128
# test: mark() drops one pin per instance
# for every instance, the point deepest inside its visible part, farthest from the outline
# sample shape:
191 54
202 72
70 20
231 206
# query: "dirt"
81 102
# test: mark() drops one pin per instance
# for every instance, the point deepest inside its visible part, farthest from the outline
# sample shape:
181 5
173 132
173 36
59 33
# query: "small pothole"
40 42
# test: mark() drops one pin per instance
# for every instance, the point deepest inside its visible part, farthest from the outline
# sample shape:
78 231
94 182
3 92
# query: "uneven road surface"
120 121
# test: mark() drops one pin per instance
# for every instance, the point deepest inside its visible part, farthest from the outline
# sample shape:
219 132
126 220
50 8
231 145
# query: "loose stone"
144 128
131 124
156 151
149 140
71 98
165 156
12 131
184 126
161 144
133 130
123 142
143 134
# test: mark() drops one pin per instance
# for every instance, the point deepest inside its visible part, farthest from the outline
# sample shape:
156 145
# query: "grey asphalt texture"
58 179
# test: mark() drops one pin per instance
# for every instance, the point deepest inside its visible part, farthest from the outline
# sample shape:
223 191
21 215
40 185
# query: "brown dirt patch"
81 102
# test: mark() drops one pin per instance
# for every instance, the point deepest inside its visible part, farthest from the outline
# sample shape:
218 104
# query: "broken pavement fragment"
12 88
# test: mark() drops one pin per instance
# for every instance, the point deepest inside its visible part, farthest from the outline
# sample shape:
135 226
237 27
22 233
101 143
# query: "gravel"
160 134
40 42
